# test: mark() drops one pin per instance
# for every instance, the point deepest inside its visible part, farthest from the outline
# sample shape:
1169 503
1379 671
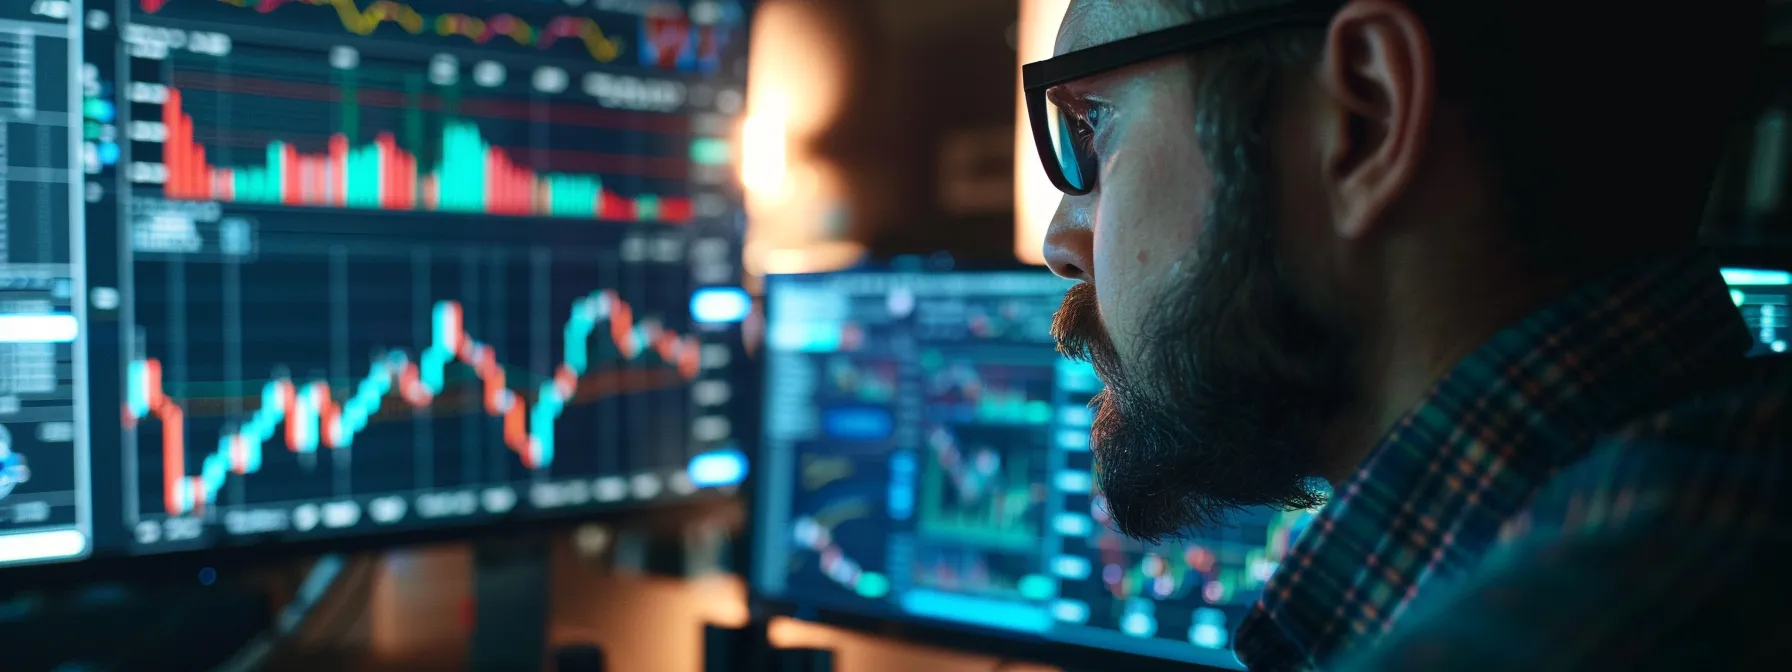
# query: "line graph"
667 38
343 362
312 418
982 487
600 46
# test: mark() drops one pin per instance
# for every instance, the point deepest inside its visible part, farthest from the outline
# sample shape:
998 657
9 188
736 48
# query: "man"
1440 254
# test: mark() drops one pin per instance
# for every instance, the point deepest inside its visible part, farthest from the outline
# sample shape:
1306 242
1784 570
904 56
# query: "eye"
1084 125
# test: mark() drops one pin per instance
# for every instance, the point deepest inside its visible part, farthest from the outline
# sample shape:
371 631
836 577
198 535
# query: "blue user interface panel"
926 458
1763 296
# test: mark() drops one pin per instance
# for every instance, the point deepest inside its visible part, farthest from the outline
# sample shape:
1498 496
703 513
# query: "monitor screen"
1765 297
926 457
282 270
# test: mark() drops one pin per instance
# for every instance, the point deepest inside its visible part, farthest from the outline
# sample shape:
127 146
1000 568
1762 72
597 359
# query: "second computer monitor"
927 459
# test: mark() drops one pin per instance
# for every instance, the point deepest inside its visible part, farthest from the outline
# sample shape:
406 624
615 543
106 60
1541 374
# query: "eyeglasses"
1064 139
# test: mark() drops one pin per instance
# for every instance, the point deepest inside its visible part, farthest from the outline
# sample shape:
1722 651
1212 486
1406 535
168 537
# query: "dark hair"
1606 121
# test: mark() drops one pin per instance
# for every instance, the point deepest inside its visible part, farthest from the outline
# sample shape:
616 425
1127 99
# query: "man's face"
1219 376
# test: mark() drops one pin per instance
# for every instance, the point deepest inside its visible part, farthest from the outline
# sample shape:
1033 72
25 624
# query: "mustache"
1081 336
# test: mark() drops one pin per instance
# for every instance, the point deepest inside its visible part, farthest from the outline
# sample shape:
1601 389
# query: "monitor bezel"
1008 646
186 565
118 564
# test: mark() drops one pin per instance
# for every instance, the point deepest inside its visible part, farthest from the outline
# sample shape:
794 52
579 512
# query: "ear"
1378 70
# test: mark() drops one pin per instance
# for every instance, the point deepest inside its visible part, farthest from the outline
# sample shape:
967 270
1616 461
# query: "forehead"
1091 22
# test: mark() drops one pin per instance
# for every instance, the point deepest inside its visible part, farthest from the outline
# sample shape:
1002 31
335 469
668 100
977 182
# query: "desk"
418 619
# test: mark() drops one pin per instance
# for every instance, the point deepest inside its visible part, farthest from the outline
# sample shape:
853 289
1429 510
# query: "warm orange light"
765 148
796 87
1034 196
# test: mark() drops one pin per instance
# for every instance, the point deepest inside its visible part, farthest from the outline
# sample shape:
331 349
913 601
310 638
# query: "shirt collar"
1431 497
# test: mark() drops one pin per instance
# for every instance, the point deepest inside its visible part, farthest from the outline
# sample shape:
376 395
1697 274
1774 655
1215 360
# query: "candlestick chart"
271 126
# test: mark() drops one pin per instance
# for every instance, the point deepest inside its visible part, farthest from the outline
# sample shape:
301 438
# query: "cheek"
1146 223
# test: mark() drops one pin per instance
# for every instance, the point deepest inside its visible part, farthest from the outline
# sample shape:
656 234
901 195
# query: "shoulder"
1661 546
1715 457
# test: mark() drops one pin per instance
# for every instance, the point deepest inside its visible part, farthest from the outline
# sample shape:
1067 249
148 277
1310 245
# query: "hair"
1605 123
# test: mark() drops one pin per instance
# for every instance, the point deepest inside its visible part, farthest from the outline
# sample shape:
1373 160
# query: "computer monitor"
281 271
926 460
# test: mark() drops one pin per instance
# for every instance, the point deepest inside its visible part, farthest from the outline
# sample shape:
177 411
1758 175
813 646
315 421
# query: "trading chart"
362 265
928 457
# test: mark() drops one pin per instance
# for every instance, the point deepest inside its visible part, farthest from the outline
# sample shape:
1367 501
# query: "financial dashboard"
926 458
278 270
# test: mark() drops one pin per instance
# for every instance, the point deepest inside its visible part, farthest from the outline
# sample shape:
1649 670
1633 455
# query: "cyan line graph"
312 418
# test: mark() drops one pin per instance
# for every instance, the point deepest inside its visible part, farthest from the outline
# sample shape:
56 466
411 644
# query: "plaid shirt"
1601 485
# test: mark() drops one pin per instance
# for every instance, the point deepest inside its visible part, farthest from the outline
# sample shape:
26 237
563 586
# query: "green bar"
711 152
271 179
572 195
364 177
252 186
463 168
647 208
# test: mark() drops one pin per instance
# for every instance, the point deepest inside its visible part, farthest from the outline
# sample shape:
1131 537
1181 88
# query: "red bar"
513 188
293 429
387 188
407 181
307 180
506 181
410 182
400 161
508 185
675 209
516 434
329 416
615 207
494 169
173 148
194 181
290 193
174 450
339 166
314 179
320 180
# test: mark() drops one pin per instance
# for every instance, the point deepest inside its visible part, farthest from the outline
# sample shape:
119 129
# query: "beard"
1223 405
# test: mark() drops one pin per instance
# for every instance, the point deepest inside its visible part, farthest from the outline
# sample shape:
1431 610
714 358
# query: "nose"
1070 242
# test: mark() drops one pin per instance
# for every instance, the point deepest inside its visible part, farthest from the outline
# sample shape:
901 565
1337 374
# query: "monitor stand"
510 604
742 649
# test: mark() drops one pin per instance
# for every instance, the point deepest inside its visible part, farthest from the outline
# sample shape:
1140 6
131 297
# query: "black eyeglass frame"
1039 77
